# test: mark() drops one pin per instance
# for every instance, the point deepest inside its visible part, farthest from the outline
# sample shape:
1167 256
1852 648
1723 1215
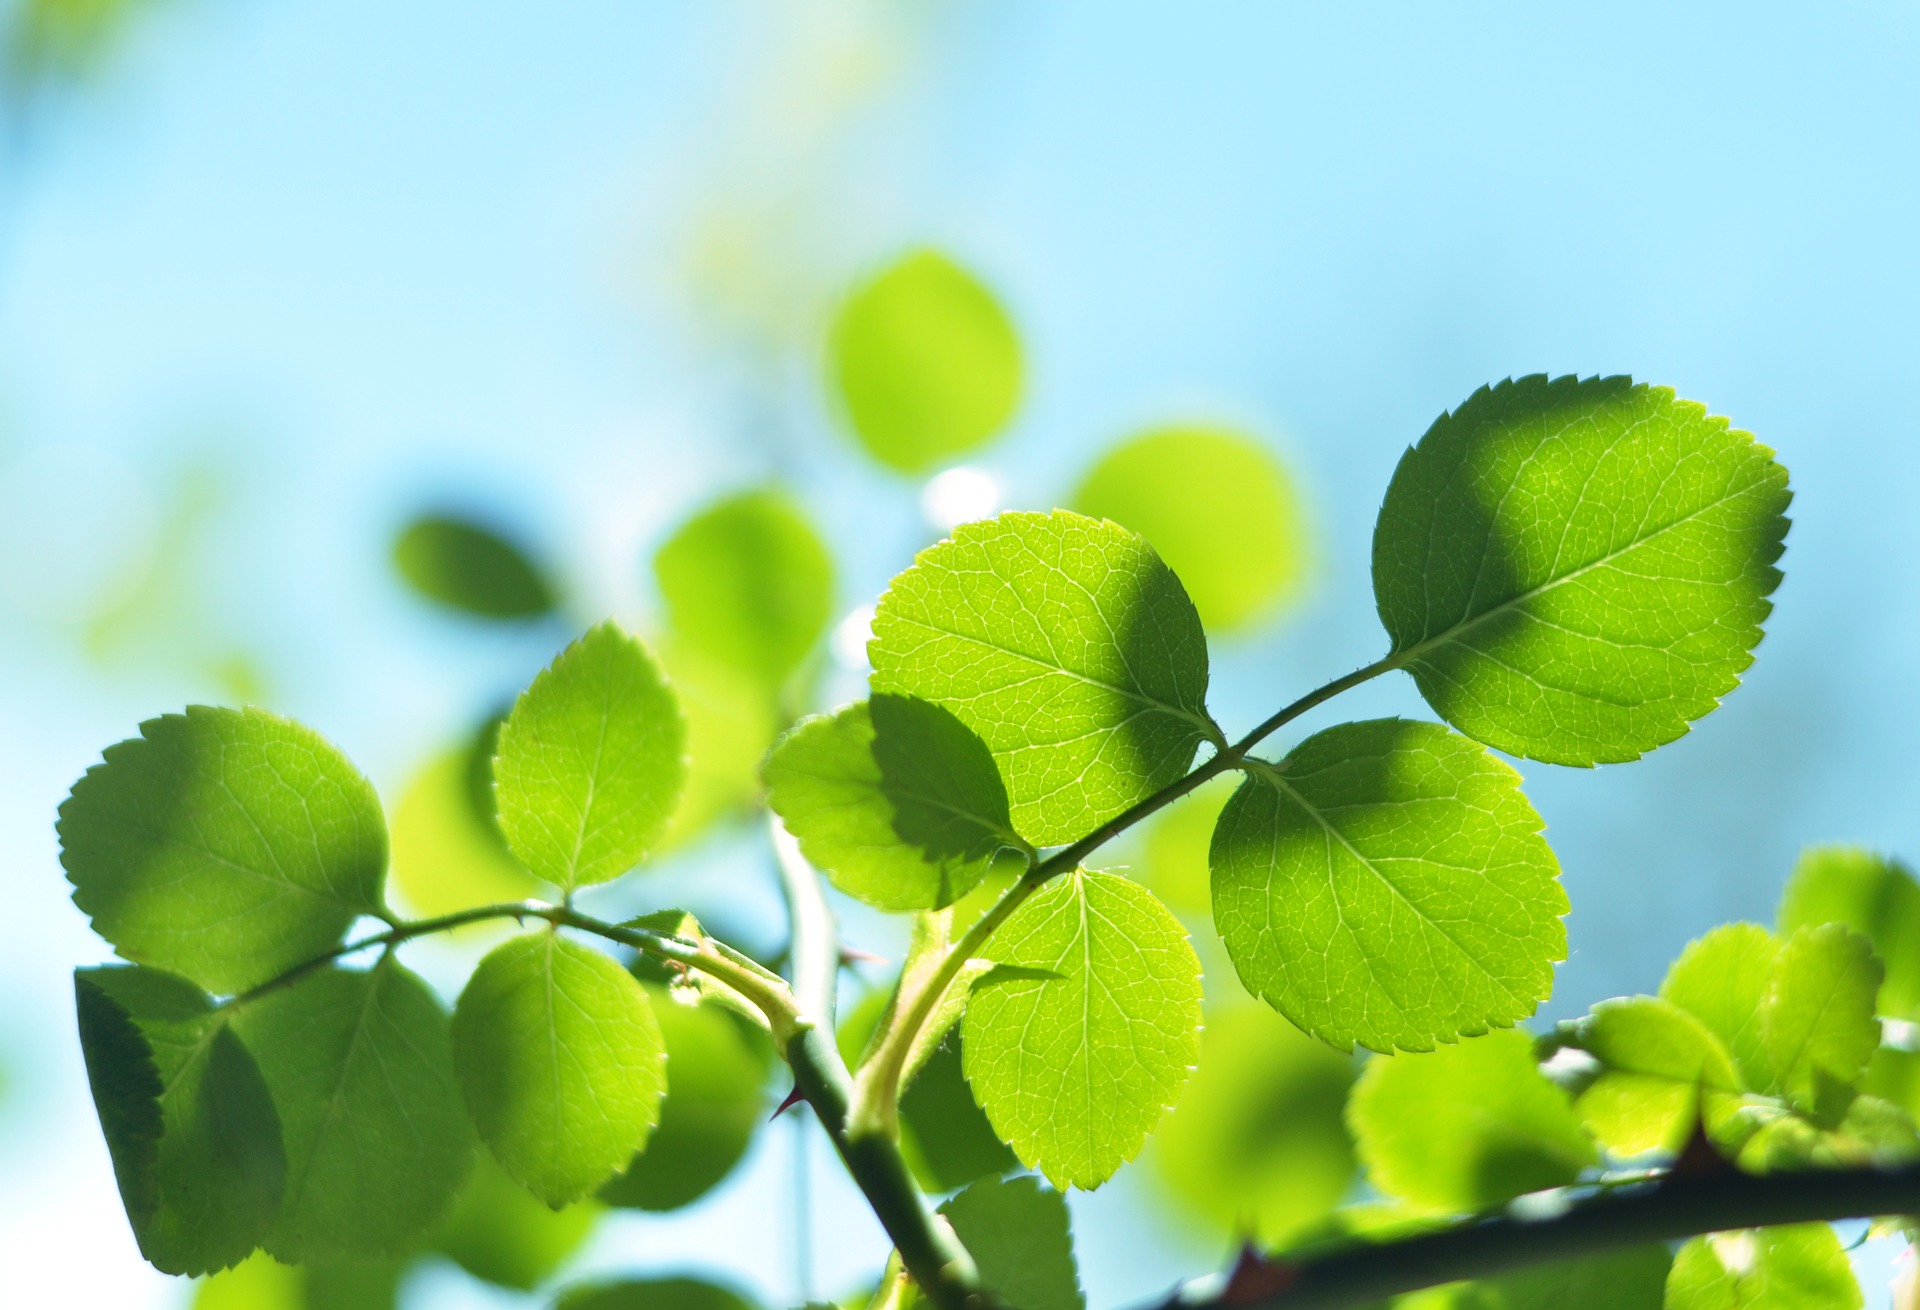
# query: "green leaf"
1219 509
1257 1146
894 799
1818 1025
465 566
731 722
716 1101
654 1294
749 583
1086 1029
1467 1126
1068 647
1574 571
926 363
1876 897
352 1287
360 1067
1663 1068
1722 980
1387 884
1174 847
1847 1131
1018 1233
1801 1267
188 1122
500 1233
591 761
445 859
562 1062
224 845
257 1283
944 1134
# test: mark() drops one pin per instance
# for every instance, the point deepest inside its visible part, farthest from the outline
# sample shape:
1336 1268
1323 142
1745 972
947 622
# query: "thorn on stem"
854 955
793 1098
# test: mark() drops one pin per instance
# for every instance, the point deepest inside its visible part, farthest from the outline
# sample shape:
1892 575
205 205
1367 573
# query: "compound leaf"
465 566
360 1067
500 1233
1722 980
1799 1267
1018 1232
562 1062
894 799
926 362
1068 647
1871 894
227 846
1217 507
1387 884
192 1132
591 761
1662 1069
749 583
1574 571
1466 1126
1818 1024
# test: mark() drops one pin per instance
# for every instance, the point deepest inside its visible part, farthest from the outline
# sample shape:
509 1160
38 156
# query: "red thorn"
793 1098
1255 1278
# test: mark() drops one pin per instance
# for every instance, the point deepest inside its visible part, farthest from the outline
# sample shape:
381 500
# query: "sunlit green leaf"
360 1067
192 1132
716 1100
1256 1146
1875 896
1466 1126
926 362
591 761
944 1134
1574 571
749 583
562 1062
1218 508
1087 1027
1801 1267
654 1294
1818 1025
257 1283
444 858
1845 1131
1722 980
1018 1232
731 721
894 799
1663 1069
223 845
1068 647
1387 884
466 566
503 1234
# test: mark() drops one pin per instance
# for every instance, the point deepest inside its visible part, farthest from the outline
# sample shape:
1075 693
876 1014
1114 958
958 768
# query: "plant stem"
1361 1273
814 953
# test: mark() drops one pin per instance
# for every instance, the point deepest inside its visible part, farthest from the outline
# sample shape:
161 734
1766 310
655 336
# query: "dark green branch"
1361 1273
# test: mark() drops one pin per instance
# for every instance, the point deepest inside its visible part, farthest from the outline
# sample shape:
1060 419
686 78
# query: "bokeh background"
277 276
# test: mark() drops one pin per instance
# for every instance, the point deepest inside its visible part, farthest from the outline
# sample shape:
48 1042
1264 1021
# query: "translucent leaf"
926 363
654 1294
591 761
258 1283
1019 1234
465 566
731 721
1722 980
1846 1131
1574 571
1871 894
1801 1267
944 1134
1663 1069
360 1067
1218 508
749 583
1086 1029
502 1234
444 858
1818 1025
562 1062
1387 884
895 800
716 1100
224 845
1467 1126
192 1132
1068 647
1257 1146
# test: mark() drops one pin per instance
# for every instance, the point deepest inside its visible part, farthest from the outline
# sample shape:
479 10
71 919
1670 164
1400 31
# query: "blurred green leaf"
1219 509
501 1233
352 1287
1801 1267
1663 1069
944 1133
444 857
1257 1146
1068 647
466 566
225 845
732 720
748 582
257 1283
1465 1127
561 1127
926 362
1174 847
1722 980
49 41
1018 1232
654 1294
1818 1024
1871 894
1574 570
592 761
